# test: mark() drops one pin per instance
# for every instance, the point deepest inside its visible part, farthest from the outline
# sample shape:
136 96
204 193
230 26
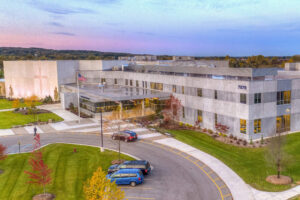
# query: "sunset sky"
176 27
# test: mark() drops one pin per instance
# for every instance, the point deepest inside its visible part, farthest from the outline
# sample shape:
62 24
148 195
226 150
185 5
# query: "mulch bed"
117 162
283 180
26 111
46 196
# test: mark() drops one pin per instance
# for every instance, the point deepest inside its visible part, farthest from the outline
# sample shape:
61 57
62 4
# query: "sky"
173 27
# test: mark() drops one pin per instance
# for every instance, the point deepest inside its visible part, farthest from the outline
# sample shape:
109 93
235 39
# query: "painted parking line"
136 188
139 198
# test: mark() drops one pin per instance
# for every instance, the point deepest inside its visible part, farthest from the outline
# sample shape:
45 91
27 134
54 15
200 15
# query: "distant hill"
17 53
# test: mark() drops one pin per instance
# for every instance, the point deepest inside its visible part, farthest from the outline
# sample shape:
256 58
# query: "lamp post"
101 131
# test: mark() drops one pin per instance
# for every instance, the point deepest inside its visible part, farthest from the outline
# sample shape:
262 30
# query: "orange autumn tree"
100 188
16 103
2 152
40 173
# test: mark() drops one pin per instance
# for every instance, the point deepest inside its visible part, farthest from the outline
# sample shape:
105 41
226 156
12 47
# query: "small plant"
238 142
235 138
231 136
71 106
180 124
224 135
220 134
210 131
245 142
262 139
205 130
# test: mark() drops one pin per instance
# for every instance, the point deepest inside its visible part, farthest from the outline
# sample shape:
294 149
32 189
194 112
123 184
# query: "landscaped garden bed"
249 163
70 170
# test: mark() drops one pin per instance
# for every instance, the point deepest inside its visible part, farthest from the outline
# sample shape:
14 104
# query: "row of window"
282 124
283 97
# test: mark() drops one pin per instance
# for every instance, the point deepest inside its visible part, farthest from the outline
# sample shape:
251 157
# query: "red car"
127 137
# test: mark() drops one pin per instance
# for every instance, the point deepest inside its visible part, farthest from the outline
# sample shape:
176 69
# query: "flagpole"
78 97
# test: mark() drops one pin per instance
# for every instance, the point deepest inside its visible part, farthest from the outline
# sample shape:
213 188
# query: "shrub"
245 142
210 131
47 99
238 142
71 106
205 130
180 124
262 139
235 138
231 136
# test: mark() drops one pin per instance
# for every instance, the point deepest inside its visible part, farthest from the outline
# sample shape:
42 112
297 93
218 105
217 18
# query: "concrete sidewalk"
238 188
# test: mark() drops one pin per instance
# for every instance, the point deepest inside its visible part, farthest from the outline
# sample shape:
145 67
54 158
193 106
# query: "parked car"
123 136
142 165
132 133
126 177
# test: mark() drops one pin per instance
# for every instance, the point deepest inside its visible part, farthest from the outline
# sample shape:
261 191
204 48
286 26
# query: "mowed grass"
8 119
249 163
6 104
70 171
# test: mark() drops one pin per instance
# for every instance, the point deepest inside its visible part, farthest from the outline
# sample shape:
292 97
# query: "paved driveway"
173 176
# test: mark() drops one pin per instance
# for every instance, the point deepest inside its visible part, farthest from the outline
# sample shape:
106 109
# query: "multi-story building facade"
251 102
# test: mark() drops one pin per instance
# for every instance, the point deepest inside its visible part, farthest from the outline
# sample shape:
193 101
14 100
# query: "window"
216 119
243 98
183 112
199 92
103 81
257 126
283 123
243 126
156 86
145 84
116 81
131 83
126 81
174 88
257 98
137 83
283 97
182 90
216 94
199 115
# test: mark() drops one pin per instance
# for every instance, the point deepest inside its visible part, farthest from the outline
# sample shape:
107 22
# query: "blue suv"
126 177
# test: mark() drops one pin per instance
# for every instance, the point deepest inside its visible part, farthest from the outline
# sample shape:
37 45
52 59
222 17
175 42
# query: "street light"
101 131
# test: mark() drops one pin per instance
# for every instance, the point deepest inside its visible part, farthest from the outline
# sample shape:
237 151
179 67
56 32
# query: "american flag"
81 78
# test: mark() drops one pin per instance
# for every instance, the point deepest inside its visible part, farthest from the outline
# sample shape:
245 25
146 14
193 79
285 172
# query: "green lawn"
6 104
9 119
70 171
249 163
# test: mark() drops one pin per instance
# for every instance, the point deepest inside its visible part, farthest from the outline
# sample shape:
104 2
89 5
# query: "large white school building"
251 102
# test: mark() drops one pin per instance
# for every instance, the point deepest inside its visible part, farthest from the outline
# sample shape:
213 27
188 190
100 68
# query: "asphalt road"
173 177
